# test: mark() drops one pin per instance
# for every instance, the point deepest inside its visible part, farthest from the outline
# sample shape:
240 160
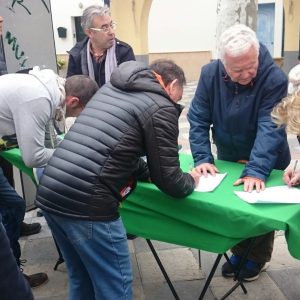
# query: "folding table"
213 221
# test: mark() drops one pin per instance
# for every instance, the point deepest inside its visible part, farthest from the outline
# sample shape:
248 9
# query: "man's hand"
206 168
291 178
250 183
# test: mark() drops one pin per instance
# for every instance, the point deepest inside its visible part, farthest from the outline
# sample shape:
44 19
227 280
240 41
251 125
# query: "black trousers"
261 251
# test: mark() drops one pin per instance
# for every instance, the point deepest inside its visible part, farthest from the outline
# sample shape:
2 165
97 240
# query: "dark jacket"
97 164
123 53
240 115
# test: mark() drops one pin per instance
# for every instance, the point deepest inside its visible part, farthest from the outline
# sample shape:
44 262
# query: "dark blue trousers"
13 285
12 209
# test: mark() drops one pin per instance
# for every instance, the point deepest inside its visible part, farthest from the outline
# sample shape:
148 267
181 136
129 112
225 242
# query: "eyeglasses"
106 28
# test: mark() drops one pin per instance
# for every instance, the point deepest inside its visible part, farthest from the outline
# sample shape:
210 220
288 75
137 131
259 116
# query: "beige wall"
292 24
191 62
132 19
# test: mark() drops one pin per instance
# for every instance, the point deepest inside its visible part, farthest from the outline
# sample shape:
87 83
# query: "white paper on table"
276 194
209 183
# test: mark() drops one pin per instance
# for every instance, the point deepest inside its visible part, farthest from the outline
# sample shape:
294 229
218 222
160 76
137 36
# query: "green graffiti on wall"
19 54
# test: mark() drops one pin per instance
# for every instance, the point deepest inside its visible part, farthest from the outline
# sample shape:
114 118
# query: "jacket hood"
134 76
265 59
51 81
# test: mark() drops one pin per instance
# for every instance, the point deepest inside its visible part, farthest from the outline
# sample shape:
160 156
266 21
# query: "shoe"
131 236
29 229
229 269
39 213
252 270
36 279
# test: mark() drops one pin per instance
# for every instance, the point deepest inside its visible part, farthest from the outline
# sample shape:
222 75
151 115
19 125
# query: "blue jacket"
242 127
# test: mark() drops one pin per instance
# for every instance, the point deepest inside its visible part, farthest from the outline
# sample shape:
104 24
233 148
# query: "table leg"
241 264
210 276
162 269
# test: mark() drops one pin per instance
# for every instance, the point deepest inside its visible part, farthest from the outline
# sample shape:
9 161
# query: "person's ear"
72 102
87 32
173 85
170 88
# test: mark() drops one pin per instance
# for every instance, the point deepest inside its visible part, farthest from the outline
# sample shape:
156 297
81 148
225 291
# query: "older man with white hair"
234 97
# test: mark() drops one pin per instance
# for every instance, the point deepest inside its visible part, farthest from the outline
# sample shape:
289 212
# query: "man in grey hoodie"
28 104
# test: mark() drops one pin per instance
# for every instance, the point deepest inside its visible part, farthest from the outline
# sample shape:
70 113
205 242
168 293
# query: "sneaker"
36 279
229 269
252 270
29 229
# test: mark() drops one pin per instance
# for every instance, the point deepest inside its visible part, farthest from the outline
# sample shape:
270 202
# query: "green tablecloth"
213 221
15 158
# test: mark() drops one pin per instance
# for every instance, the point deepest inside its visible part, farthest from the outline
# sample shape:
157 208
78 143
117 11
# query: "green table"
213 221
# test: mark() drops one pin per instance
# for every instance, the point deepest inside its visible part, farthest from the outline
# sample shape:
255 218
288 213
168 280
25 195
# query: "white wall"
191 26
62 13
179 26
174 25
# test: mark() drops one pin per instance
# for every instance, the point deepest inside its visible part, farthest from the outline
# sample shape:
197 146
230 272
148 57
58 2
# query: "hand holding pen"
291 177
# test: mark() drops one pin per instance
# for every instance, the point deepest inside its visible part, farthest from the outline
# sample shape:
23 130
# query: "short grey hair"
92 11
236 40
82 87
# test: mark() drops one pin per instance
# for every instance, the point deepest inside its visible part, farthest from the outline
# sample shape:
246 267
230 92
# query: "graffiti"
19 55
46 6
20 2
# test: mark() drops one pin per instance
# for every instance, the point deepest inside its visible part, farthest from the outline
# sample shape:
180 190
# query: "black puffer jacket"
97 163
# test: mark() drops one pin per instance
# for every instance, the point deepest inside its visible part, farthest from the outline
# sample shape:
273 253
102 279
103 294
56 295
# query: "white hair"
294 79
236 40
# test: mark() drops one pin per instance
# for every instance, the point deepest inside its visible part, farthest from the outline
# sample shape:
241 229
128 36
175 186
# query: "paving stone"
180 264
281 258
261 289
140 245
186 290
288 280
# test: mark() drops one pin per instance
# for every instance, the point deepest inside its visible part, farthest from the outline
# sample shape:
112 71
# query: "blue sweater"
242 127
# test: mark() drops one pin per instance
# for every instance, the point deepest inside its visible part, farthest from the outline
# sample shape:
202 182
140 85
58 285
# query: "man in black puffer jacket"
97 165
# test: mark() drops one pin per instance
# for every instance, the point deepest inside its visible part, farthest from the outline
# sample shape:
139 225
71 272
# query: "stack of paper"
209 183
276 194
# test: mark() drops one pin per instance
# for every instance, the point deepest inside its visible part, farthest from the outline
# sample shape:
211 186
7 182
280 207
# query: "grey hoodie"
27 103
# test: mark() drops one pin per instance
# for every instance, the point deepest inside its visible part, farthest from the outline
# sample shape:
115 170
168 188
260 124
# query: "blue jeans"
96 255
12 209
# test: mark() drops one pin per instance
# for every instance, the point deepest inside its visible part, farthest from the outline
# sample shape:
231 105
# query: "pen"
295 166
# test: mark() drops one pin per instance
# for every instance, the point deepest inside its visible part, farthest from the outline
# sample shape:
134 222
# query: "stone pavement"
281 281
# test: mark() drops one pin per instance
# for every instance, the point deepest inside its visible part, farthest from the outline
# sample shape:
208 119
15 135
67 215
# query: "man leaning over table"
134 115
235 96
28 103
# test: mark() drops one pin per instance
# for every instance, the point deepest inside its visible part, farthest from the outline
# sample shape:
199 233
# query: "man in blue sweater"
234 98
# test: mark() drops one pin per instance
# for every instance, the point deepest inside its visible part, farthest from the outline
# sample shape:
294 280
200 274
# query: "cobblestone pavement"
281 281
